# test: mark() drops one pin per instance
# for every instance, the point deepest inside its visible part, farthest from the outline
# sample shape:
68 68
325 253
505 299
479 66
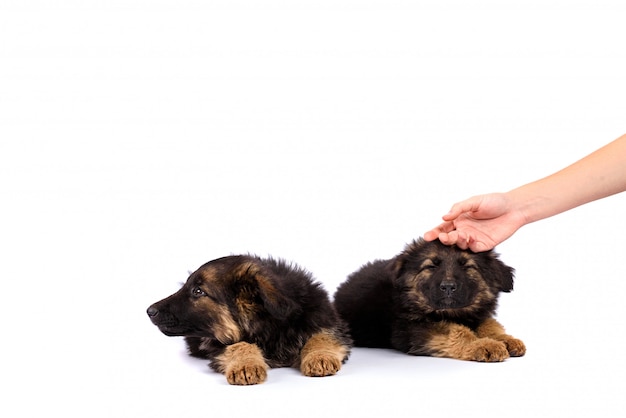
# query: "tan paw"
487 350
515 347
246 374
318 364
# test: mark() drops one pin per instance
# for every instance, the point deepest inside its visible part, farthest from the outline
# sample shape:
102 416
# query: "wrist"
524 207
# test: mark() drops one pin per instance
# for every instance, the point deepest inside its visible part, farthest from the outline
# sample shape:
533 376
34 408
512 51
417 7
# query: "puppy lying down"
246 314
432 300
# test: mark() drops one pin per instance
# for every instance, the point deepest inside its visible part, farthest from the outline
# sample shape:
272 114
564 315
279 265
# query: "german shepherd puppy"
432 300
246 315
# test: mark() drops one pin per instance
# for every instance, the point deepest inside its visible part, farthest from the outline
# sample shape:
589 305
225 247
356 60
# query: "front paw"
246 374
487 350
242 364
317 364
515 347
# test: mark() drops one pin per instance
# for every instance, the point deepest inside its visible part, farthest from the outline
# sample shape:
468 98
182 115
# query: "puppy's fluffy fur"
432 300
247 314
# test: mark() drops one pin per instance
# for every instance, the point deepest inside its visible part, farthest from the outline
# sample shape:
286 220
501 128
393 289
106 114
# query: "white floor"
139 140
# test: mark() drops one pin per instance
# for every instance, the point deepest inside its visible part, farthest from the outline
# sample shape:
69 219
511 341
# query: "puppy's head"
222 300
435 278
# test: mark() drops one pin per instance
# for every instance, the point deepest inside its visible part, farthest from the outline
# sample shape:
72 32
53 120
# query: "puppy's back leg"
322 355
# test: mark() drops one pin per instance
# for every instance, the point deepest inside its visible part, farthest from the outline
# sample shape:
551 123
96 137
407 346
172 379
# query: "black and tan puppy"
432 300
246 314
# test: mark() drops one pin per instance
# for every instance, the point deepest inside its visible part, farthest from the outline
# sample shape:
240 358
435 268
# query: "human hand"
478 223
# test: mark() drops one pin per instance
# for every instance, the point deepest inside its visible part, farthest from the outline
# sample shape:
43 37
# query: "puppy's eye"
467 264
197 292
429 265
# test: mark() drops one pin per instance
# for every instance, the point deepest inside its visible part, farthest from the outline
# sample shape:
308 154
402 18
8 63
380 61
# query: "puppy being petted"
432 300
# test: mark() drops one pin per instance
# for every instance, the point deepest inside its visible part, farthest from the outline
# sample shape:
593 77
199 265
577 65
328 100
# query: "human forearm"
598 175
482 222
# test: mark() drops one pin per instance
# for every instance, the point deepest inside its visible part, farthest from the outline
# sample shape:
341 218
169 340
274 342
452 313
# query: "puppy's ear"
396 266
499 273
414 249
275 302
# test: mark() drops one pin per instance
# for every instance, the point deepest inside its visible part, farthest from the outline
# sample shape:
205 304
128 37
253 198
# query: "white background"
140 139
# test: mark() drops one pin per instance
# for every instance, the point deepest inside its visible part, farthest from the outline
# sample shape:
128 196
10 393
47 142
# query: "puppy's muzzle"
167 323
161 319
152 312
448 287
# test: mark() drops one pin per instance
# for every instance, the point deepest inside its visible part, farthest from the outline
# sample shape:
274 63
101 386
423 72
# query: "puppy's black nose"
152 311
448 287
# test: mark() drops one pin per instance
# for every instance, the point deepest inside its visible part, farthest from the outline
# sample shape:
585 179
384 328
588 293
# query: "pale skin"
482 222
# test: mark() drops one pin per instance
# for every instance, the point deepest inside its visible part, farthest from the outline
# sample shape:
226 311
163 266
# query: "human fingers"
452 238
460 239
434 233
469 205
431 235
